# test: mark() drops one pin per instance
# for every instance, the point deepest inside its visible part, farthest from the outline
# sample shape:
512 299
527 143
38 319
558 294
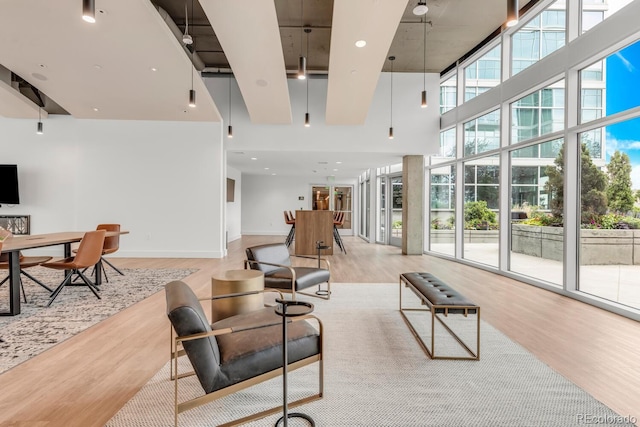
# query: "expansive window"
596 11
539 113
610 216
482 74
448 143
442 214
482 134
536 235
481 208
573 176
605 84
448 94
538 38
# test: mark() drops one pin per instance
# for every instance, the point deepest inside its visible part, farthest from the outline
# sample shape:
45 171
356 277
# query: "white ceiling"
105 70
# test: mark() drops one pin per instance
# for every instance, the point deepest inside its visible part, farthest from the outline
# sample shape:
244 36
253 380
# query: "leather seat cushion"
438 292
305 278
252 352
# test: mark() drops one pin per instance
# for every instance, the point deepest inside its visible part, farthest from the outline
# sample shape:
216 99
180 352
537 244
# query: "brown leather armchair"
274 261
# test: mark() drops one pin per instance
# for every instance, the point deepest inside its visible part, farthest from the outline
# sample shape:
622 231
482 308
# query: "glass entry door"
338 198
395 218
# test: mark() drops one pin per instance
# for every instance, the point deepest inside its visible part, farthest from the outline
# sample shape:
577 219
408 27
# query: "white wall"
234 209
416 130
266 197
163 181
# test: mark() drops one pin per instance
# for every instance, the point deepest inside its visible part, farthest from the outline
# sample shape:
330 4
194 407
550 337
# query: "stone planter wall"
597 247
470 236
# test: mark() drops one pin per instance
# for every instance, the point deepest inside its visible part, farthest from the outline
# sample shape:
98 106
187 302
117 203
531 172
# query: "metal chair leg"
33 279
112 266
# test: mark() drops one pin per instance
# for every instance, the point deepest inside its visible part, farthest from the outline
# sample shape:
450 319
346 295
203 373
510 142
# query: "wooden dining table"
13 245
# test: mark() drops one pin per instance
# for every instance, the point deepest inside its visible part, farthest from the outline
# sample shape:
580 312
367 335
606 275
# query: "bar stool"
290 220
338 220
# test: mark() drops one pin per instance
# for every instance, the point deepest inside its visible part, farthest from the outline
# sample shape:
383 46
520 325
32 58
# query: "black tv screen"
9 193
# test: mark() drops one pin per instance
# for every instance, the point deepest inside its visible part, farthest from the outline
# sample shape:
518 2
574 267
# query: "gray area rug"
377 375
38 327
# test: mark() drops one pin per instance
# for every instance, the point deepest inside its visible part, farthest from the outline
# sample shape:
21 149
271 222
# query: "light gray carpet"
38 327
377 375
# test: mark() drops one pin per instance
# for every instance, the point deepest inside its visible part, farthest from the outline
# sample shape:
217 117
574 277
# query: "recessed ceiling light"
95 109
361 43
266 169
97 66
338 163
43 66
335 170
154 69
273 174
254 158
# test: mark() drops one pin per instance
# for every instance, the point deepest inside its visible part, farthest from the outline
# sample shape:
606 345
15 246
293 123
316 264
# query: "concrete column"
412 205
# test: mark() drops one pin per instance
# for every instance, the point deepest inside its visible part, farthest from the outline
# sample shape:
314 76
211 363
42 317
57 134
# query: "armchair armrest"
240 294
315 259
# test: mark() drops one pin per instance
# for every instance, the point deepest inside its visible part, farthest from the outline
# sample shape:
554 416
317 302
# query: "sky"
623 93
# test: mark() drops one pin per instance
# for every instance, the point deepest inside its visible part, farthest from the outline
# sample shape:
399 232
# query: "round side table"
233 282
287 308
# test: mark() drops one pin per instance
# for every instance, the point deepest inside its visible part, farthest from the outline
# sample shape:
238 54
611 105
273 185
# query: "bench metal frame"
433 308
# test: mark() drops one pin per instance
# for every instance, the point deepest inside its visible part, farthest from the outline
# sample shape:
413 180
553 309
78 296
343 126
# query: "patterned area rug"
377 375
38 327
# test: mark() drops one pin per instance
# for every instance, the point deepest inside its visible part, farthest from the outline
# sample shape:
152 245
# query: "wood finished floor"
85 380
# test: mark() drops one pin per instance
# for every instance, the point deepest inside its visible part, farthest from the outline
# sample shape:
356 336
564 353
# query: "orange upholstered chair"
25 262
88 254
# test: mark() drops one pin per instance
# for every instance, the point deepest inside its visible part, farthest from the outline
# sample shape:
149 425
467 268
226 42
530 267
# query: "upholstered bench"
441 300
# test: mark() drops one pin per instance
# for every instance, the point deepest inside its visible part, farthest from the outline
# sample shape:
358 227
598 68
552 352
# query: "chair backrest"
187 318
90 249
276 253
111 243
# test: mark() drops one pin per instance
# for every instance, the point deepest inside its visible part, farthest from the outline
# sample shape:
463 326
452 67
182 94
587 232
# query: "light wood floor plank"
85 380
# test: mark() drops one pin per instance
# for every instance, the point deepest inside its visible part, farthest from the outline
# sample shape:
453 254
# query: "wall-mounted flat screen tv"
9 193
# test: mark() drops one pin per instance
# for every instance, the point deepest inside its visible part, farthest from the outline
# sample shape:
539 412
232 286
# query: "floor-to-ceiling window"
550 176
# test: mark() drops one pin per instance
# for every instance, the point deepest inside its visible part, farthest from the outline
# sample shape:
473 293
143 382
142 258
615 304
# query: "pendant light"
192 92
391 58
302 61
512 13
307 122
230 128
424 65
89 11
40 127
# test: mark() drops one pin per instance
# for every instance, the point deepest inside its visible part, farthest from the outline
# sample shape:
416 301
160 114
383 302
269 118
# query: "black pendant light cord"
391 58
424 65
229 99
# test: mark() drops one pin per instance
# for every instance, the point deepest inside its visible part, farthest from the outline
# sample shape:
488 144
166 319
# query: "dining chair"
111 245
289 219
25 262
87 255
